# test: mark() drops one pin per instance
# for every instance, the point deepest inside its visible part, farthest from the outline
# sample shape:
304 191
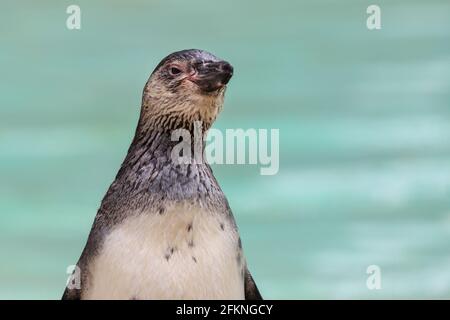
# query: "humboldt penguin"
164 229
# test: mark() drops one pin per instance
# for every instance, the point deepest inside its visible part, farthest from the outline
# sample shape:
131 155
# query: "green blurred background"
364 119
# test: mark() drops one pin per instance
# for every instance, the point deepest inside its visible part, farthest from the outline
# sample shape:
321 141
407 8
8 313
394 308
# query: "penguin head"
189 84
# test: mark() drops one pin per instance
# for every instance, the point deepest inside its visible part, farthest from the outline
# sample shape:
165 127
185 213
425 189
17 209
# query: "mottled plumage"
165 230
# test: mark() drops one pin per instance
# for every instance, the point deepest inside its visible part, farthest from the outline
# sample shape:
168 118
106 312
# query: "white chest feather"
184 253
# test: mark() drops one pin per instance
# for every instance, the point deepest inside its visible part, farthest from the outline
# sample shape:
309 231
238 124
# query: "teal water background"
364 119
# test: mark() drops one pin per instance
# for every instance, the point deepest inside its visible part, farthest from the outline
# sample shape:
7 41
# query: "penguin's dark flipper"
251 290
71 294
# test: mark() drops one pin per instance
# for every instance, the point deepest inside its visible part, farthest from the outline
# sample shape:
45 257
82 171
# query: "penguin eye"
174 71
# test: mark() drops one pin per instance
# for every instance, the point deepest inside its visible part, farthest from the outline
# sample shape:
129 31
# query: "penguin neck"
183 145
151 166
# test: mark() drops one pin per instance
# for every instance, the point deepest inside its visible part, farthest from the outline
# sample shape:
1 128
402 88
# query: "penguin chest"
178 254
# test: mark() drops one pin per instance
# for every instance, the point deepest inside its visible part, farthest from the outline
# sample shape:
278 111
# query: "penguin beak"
212 76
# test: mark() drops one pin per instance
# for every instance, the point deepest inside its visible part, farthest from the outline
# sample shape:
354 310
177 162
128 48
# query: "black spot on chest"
169 253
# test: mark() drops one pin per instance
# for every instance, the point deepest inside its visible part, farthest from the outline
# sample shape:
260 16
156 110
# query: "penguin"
164 229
